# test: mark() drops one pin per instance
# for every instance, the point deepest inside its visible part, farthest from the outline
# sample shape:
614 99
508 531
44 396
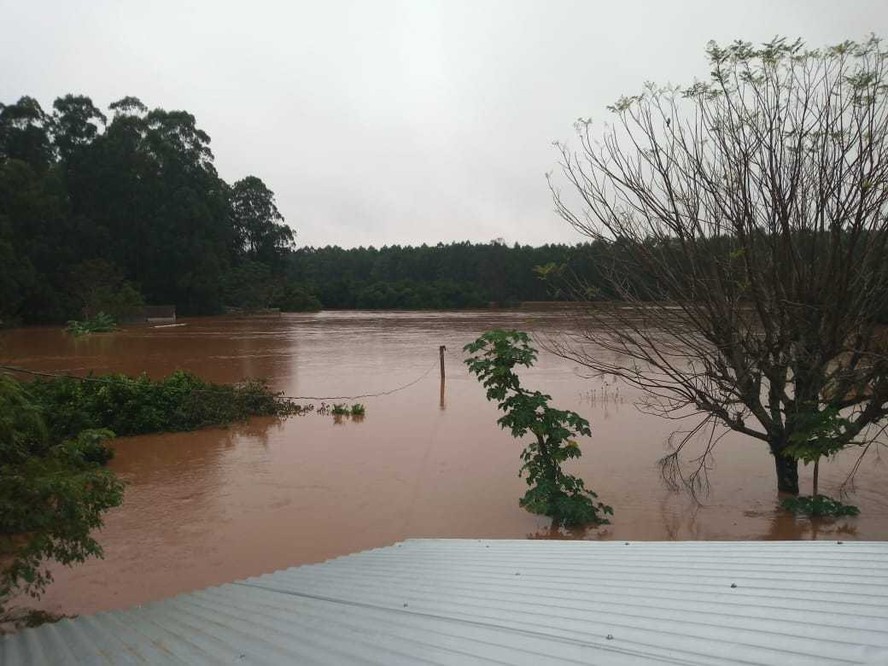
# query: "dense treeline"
454 275
107 213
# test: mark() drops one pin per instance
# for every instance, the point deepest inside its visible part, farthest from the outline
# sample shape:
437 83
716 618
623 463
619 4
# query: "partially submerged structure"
159 314
515 602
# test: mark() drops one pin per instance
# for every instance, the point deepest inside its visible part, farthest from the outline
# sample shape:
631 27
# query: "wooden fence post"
441 351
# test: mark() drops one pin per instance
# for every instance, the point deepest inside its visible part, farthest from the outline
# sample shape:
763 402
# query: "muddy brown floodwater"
207 507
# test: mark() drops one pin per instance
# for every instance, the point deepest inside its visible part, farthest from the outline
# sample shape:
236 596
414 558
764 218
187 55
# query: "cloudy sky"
392 122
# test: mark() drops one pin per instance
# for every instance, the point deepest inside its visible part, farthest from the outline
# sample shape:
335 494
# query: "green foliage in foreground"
562 497
53 493
818 505
136 405
101 323
53 487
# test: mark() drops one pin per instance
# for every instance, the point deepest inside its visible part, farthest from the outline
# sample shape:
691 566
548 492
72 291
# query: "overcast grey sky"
392 122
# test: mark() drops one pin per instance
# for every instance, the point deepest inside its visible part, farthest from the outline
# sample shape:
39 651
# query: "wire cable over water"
364 395
57 375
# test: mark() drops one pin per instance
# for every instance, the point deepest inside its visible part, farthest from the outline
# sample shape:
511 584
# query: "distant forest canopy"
106 211
453 275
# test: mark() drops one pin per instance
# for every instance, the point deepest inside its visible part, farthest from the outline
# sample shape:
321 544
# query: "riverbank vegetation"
563 497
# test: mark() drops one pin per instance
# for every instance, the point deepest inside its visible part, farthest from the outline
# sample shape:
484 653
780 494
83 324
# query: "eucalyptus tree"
750 213
75 123
24 133
261 234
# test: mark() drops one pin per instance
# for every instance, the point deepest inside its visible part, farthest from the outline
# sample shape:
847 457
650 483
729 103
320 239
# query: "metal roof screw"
610 637
733 585
405 604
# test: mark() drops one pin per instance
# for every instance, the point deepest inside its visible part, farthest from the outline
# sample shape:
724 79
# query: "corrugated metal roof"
514 602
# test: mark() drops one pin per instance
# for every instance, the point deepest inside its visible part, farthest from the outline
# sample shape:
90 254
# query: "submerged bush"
818 505
101 323
137 405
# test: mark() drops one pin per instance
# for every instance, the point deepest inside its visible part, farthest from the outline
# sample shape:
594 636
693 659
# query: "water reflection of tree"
787 527
684 525
257 428
680 524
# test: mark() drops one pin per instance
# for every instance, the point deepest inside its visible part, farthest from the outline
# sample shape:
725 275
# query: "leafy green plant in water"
818 434
818 505
101 323
340 410
358 410
562 497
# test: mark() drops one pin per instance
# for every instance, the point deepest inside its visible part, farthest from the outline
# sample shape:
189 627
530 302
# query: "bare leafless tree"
747 222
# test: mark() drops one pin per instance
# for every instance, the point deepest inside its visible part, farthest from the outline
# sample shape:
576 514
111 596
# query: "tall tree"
261 232
752 213
24 134
75 123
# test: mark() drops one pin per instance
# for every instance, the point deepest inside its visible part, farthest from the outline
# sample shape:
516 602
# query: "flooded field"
208 507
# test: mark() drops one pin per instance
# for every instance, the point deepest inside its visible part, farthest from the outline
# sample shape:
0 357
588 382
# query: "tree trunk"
816 474
787 474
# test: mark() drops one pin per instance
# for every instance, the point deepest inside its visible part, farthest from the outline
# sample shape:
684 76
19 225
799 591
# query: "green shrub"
137 405
562 497
818 505
101 323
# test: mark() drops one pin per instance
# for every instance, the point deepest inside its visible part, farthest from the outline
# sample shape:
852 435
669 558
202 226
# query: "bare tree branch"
746 219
